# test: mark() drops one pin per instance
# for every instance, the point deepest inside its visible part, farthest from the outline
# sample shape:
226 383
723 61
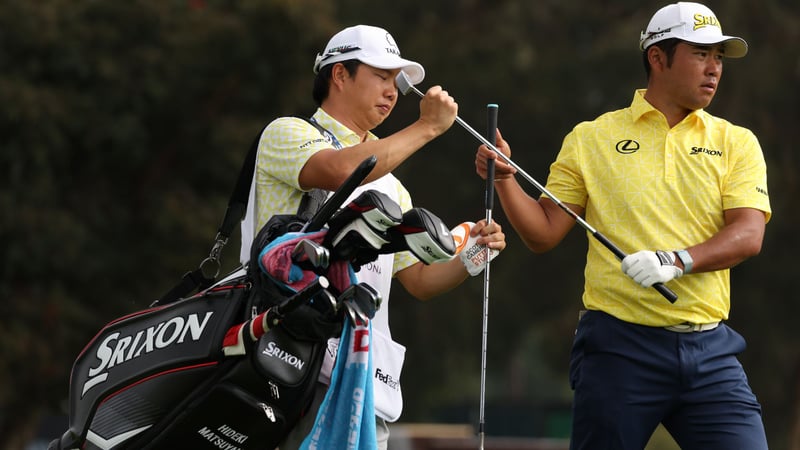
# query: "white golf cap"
690 22
371 45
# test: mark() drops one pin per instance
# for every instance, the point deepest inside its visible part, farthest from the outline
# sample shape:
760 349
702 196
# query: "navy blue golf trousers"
629 378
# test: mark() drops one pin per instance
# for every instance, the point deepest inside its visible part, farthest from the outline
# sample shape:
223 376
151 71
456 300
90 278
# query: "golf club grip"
340 195
302 297
491 135
663 290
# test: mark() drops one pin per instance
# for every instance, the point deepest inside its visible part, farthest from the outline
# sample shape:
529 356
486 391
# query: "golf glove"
648 268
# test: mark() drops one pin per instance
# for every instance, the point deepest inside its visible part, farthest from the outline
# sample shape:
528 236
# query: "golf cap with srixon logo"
690 22
372 46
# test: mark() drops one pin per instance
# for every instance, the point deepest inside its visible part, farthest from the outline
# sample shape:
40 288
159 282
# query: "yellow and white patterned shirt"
283 149
647 187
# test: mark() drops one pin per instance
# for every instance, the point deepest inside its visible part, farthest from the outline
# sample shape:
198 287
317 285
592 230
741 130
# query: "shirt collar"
345 135
640 107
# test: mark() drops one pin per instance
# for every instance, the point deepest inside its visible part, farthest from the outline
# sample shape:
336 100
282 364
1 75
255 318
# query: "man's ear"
656 57
339 73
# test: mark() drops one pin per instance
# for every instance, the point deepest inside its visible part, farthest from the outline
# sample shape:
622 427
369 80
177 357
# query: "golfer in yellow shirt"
686 193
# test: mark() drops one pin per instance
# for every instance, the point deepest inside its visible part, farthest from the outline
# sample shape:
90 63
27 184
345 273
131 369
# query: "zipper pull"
268 411
273 388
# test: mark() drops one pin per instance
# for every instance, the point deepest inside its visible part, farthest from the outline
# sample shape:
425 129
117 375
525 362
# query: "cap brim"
415 71
735 47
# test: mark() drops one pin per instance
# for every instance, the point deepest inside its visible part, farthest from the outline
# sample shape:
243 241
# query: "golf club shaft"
660 287
491 133
302 297
275 314
338 197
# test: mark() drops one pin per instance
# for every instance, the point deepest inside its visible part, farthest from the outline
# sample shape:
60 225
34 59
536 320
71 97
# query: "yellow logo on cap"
701 21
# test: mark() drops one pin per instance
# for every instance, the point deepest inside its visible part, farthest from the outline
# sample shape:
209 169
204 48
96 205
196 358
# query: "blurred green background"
124 123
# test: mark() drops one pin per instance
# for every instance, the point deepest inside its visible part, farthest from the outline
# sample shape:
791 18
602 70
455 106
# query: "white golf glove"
648 268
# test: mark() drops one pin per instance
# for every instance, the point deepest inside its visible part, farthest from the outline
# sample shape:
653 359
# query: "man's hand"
502 170
438 109
648 268
471 241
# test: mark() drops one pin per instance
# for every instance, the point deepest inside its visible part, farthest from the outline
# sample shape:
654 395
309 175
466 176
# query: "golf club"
368 300
360 301
316 254
491 134
405 86
338 197
276 313
326 297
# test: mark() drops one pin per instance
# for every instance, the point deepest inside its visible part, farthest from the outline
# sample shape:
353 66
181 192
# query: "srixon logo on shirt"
706 151
116 349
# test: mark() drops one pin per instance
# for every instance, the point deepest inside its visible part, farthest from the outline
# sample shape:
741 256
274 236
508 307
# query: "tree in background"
124 125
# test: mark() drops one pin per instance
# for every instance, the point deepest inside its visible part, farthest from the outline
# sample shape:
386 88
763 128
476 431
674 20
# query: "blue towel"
346 418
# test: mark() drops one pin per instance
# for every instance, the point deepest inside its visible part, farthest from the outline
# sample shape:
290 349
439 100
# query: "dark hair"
321 85
667 46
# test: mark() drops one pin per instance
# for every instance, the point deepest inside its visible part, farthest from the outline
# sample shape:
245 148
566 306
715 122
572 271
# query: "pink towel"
276 261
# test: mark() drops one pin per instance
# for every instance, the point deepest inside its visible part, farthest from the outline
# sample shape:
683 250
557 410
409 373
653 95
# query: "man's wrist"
686 260
665 258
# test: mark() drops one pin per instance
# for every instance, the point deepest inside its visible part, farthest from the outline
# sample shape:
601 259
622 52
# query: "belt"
687 327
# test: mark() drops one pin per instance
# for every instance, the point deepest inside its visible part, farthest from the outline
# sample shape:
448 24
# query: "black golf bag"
235 365
232 366
160 379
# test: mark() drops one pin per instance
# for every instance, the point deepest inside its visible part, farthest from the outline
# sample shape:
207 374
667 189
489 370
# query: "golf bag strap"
313 200
199 279
237 205
189 282
311 203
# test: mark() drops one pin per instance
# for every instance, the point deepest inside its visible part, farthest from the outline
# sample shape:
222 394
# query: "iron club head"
315 253
361 301
368 299
404 84
354 316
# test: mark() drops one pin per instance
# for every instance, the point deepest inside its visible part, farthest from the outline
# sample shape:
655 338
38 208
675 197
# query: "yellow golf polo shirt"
283 149
648 187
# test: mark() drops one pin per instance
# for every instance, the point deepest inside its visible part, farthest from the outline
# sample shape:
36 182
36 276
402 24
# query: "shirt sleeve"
565 179
746 183
286 145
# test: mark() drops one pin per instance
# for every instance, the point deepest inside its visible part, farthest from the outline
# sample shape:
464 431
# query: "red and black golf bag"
160 379
232 366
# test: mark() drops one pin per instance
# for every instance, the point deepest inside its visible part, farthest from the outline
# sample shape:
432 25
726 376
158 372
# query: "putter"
315 253
491 134
405 86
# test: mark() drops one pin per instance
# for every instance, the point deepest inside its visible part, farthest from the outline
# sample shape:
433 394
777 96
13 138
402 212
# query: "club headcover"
472 254
357 231
424 234
376 208
356 238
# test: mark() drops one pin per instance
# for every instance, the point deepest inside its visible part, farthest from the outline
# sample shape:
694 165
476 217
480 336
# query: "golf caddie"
686 194
355 91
